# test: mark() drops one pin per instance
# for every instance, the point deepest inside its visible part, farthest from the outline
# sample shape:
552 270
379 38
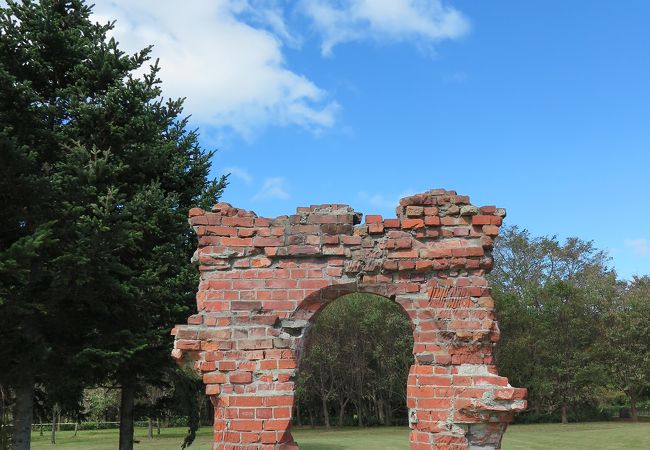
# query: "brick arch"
316 301
301 321
262 281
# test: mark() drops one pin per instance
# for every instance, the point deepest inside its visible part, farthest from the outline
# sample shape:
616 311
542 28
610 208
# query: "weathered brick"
237 221
258 272
412 223
267 242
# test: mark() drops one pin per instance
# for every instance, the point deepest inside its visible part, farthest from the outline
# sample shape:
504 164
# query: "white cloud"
640 247
273 188
233 74
240 173
384 20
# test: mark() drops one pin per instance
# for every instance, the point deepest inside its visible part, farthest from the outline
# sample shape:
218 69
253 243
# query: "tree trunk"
565 411
23 413
298 414
380 412
149 427
389 414
326 413
342 406
634 412
311 418
359 418
158 426
54 422
76 428
126 415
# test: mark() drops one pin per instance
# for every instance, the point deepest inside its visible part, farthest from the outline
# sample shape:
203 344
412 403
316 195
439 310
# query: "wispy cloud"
383 202
640 247
425 21
379 200
455 77
240 173
273 188
226 57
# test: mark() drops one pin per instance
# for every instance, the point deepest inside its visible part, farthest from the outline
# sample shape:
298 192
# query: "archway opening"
354 365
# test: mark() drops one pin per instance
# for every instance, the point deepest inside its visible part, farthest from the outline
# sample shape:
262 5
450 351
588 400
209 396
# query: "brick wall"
263 280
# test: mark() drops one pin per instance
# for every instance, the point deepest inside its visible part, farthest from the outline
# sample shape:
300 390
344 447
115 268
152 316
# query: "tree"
525 263
97 173
550 299
627 352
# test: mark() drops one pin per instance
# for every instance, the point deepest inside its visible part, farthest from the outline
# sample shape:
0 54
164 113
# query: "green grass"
578 436
169 439
378 438
587 436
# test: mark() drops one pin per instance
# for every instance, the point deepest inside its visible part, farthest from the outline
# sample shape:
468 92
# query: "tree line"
572 333
97 173
355 364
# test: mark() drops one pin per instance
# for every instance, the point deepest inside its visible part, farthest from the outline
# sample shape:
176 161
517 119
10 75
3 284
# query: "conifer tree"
97 173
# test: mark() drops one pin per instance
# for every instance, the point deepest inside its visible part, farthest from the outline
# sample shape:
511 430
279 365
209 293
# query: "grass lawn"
578 436
587 436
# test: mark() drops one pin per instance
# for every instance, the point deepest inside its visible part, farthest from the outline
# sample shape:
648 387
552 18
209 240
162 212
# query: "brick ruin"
264 280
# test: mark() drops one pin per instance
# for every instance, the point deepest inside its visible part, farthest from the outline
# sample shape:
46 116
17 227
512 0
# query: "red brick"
432 220
412 223
481 220
375 228
237 221
246 425
313 284
281 284
491 230
279 400
351 240
243 400
240 377
237 242
214 378
267 242
303 250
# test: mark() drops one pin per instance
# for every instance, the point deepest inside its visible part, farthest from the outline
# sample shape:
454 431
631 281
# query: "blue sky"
541 107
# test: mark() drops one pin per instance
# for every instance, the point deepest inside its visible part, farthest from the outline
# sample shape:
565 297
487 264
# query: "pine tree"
97 173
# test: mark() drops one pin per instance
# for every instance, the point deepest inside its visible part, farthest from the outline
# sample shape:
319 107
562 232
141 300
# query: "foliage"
570 331
627 333
101 404
359 353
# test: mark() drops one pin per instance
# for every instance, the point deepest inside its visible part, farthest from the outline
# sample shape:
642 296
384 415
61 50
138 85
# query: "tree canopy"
571 332
97 173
